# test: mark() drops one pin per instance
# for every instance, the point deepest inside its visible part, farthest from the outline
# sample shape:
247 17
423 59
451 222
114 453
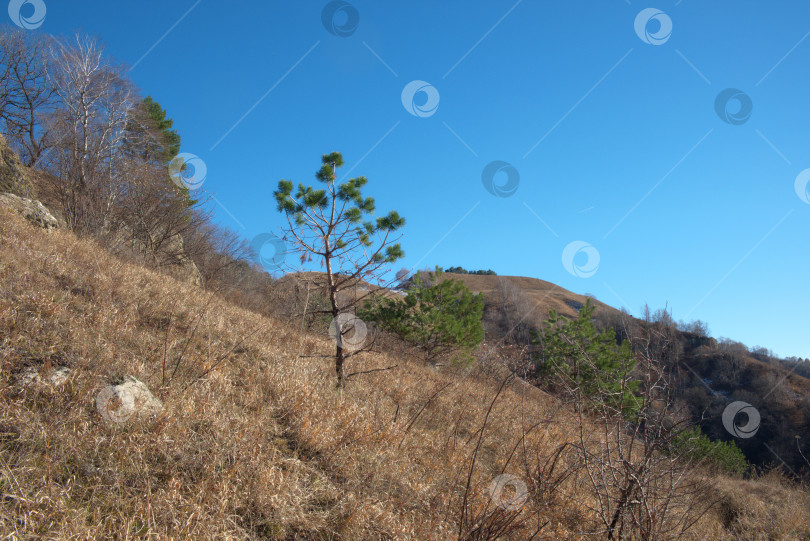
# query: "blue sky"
614 135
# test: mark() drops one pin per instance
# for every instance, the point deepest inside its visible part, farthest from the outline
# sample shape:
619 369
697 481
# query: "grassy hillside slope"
543 296
254 442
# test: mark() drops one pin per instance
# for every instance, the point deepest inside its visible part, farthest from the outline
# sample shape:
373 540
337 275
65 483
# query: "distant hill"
543 296
708 374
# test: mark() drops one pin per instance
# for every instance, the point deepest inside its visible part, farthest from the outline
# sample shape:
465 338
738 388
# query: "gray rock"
13 174
179 259
57 377
34 211
119 403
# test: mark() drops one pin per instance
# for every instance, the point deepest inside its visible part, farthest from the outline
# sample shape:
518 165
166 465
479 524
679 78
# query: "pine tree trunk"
339 358
339 355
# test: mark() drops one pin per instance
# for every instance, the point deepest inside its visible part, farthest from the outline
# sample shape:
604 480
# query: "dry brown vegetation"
541 295
255 442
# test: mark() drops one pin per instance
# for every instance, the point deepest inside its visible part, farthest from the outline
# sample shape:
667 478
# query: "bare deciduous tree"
152 212
222 256
27 96
517 313
95 102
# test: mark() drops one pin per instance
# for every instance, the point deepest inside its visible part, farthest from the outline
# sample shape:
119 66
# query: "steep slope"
712 375
253 441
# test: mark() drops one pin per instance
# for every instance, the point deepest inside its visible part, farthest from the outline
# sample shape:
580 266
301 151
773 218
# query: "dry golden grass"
543 296
255 442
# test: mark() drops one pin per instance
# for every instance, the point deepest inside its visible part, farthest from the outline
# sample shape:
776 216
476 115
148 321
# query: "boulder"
13 174
119 403
34 211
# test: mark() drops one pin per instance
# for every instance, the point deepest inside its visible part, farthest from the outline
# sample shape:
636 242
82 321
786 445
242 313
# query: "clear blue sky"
597 122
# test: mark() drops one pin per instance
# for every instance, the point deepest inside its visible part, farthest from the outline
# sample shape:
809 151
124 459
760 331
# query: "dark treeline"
460 270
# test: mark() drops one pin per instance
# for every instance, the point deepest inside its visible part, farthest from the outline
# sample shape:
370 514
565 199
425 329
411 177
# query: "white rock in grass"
60 375
34 211
118 403
57 377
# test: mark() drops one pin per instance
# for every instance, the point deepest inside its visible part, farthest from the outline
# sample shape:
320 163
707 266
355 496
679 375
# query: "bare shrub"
516 315
644 486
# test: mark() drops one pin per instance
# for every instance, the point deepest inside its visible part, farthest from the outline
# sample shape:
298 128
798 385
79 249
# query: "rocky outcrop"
119 403
34 211
13 175
178 258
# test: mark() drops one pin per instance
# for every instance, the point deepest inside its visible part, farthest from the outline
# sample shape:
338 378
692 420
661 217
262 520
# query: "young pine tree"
333 222
442 319
586 361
